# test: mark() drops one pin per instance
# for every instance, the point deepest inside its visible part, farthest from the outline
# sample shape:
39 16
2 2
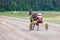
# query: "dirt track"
18 29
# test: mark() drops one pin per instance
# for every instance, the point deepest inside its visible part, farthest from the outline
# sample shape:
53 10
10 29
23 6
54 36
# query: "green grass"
54 20
12 14
48 16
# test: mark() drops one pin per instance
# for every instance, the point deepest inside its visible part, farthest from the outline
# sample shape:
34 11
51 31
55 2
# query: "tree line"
25 5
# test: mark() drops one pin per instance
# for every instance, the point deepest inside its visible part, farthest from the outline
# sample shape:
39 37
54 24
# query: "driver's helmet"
39 14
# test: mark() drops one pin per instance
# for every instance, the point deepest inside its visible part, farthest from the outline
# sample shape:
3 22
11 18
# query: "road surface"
18 29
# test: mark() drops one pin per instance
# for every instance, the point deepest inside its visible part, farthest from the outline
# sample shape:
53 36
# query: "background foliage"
25 5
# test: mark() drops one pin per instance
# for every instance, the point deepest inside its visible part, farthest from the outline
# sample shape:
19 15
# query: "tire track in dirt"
10 33
23 33
22 29
23 23
30 36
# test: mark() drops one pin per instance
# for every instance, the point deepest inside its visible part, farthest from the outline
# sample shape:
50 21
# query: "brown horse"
33 17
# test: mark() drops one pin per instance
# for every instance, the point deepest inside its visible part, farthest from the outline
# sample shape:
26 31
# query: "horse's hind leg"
37 24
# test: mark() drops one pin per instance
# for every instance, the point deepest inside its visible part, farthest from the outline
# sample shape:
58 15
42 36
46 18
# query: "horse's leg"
37 24
30 26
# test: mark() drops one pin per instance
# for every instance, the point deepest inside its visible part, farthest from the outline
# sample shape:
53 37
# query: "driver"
39 20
